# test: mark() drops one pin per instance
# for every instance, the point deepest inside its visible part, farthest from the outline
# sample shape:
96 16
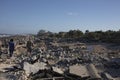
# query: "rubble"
54 60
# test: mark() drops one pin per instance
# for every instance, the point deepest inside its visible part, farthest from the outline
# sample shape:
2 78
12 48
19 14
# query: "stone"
33 68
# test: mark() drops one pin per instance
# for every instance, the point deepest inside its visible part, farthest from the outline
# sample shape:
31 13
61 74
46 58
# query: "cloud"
72 14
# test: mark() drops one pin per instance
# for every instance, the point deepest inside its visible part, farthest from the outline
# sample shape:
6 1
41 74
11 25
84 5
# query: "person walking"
11 47
29 47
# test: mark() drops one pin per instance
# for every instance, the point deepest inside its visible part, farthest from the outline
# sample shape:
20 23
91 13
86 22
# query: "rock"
33 68
6 76
4 67
4 56
58 70
34 57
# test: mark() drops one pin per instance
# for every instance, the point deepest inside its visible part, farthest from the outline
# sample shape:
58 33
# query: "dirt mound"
99 49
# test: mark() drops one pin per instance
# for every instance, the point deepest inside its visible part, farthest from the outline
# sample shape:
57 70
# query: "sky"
30 16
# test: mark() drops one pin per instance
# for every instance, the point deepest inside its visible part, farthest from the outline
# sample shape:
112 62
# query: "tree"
87 31
41 32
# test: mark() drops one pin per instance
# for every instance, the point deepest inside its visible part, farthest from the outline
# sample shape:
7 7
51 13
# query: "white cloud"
72 14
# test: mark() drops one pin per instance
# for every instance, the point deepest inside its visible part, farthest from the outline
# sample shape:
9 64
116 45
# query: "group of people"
12 47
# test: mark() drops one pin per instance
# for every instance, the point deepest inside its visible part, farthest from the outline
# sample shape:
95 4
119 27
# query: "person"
29 46
11 47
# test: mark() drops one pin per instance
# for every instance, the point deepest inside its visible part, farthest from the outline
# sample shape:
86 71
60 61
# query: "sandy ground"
102 47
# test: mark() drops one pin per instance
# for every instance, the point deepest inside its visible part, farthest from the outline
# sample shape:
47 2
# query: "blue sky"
29 16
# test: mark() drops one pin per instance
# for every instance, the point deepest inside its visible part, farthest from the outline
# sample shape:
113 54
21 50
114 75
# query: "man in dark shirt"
11 47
